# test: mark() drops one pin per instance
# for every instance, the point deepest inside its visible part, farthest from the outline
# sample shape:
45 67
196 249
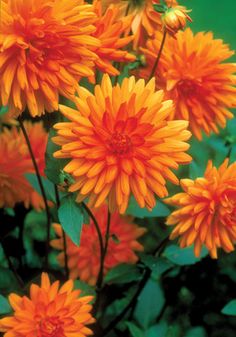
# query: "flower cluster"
84 261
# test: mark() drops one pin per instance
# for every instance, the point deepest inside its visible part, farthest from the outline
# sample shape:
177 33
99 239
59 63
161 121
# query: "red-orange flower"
194 75
110 28
84 261
44 50
120 143
206 210
15 162
49 311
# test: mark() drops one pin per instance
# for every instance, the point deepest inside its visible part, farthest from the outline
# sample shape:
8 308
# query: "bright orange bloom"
206 210
49 311
146 21
110 29
175 19
120 143
84 261
44 50
193 74
15 162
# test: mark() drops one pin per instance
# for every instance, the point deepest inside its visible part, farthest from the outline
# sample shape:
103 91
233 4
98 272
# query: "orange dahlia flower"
84 261
194 75
206 210
110 29
15 162
44 50
120 143
49 311
146 21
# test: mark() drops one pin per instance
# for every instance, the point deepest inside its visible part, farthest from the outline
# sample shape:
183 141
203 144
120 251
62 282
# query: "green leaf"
150 304
5 307
160 210
159 8
71 218
8 281
230 308
182 256
123 273
47 184
158 330
134 330
86 290
196 332
35 225
54 166
158 265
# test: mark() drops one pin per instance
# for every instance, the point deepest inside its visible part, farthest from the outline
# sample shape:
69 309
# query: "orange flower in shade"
84 261
15 162
146 21
110 29
120 143
194 75
206 210
44 50
49 311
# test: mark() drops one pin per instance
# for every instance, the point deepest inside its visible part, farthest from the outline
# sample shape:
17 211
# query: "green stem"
101 271
40 185
100 239
158 56
63 234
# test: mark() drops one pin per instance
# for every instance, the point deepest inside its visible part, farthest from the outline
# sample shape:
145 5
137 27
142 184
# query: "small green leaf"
5 307
54 166
182 256
3 110
86 290
47 184
158 265
123 273
160 210
150 304
230 308
71 218
134 330
159 8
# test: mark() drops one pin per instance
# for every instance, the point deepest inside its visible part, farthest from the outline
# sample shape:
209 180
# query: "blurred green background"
215 15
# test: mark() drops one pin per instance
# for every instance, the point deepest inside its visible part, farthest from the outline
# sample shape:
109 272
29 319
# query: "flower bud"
175 18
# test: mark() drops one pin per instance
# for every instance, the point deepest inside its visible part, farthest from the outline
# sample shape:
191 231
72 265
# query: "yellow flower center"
51 327
120 143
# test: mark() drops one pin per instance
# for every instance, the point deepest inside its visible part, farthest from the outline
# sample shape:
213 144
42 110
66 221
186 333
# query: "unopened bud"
175 19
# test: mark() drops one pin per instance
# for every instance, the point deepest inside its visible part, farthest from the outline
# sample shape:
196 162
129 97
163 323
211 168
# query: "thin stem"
63 235
133 301
159 55
41 187
12 268
101 271
100 239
